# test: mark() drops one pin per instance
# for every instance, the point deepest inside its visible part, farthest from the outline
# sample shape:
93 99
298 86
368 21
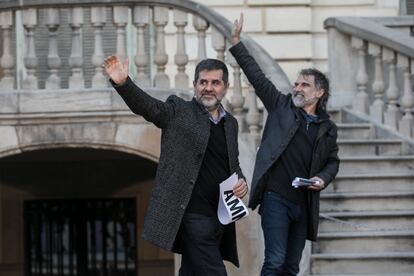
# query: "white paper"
230 207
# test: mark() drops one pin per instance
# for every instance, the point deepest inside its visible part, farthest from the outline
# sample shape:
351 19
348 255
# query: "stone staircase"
367 213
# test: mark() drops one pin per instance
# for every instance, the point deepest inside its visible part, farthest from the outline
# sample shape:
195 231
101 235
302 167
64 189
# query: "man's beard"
210 104
299 100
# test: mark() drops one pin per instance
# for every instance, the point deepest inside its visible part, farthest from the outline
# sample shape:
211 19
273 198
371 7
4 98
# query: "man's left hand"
241 188
319 185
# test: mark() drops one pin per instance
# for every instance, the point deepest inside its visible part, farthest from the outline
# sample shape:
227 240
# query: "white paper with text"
230 207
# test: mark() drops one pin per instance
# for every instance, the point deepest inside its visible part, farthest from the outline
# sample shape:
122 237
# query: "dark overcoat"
281 125
185 133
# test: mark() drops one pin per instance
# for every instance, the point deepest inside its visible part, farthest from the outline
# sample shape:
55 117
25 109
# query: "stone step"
371 164
365 242
353 147
366 221
355 130
373 182
370 201
393 263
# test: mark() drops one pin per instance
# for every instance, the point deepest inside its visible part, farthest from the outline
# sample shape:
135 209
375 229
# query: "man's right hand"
237 28
116 70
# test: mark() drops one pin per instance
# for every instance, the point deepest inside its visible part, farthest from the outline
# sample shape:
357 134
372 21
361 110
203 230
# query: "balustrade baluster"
76 80
405 125
201 26
98 20
392 114
120 20
53 59
29 19
7 59
181 57
161 58
376 110
219 43
141 20
360 102
253 116
237 99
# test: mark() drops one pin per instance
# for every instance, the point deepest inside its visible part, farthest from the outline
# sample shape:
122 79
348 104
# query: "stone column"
181 57
237 99
76 58
98 20
405 125
53 59
201 26
141 20
360 102
120 15
392 114
376 110
29 19
7 59
253 117
161 58
219 43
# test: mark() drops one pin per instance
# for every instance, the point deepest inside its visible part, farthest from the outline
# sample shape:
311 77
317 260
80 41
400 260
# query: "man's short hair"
321 82
210 64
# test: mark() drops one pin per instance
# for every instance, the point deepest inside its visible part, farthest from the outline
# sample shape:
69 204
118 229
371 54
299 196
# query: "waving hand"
115 69
237 28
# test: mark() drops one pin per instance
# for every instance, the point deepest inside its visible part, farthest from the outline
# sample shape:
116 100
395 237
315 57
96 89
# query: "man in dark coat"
299 140
199 149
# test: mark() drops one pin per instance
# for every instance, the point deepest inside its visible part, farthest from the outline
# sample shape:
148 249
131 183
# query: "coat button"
182 206
191 182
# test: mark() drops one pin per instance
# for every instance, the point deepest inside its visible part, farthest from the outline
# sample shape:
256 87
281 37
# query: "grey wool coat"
185 133
281 125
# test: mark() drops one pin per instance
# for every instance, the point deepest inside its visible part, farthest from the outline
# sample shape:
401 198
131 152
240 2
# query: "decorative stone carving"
161 58
120 14
406 123
237 99
219 43
181 57
376 110
392 115
360 102
7 59
53 59
76 58
141 20
29 18
201 26
98 20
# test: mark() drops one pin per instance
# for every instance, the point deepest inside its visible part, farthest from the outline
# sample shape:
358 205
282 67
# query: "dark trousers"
201 236
284 225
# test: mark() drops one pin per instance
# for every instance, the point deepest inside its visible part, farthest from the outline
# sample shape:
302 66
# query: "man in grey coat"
199 150
299 140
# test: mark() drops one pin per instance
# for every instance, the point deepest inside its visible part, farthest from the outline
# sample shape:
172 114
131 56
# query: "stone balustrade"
371 65
61 46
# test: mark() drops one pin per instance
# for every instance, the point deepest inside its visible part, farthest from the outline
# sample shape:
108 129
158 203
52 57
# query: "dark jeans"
284 227
201 237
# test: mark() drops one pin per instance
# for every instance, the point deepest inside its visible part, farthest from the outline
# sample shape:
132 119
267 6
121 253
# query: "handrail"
224 26
374 32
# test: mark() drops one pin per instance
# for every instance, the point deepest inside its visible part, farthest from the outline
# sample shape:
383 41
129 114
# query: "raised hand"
115 69
237 28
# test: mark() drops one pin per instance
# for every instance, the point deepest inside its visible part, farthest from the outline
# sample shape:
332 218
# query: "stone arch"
142 139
